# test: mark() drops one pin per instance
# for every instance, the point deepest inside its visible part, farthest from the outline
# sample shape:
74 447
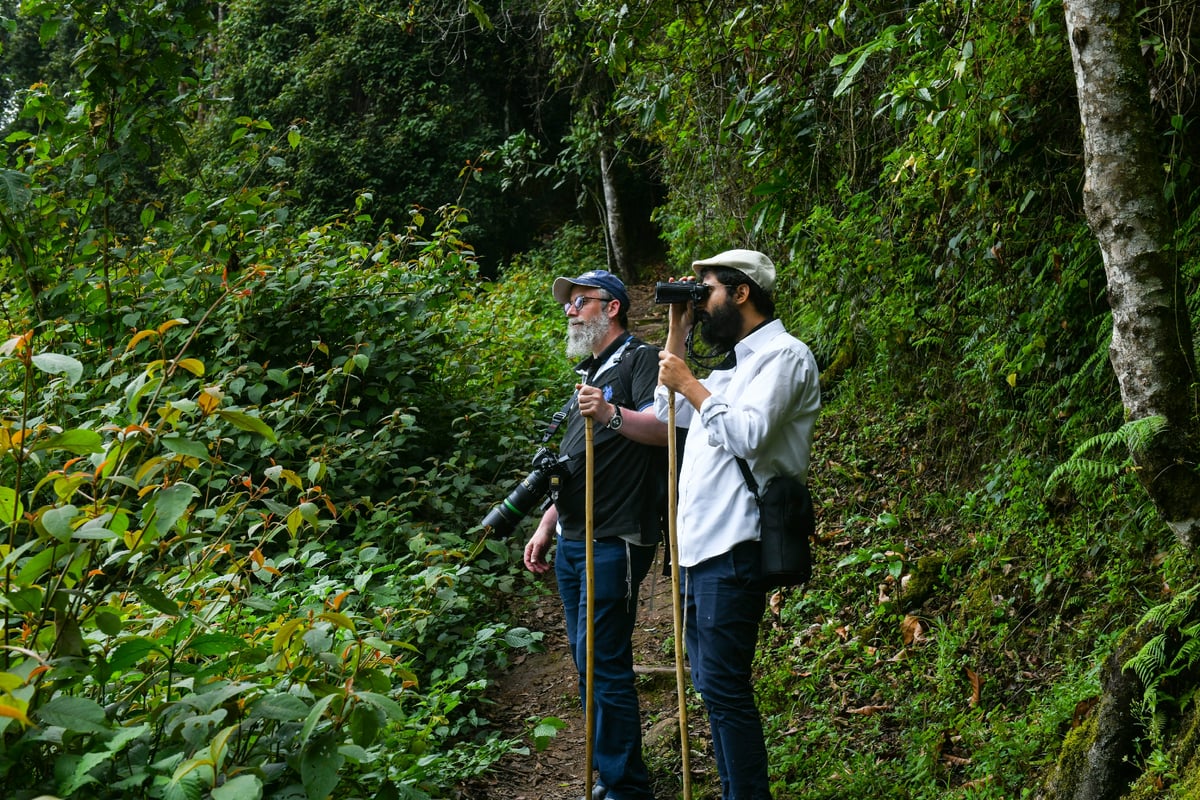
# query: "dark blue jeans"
618 571
724 601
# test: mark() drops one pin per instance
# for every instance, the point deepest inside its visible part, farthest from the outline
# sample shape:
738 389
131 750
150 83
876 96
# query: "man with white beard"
618 375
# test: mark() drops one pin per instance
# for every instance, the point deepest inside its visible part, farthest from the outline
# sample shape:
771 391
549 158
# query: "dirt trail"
545 684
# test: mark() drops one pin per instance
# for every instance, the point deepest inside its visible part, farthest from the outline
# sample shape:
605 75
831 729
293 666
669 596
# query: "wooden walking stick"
677 599
589 721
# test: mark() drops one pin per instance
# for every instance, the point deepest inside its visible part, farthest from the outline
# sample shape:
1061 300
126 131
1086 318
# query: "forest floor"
545 684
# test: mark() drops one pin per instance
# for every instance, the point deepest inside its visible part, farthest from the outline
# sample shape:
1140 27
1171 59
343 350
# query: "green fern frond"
1149 659
1173 613
1082 469
1139 433
1172 650
1187 655
1159 720
1082 472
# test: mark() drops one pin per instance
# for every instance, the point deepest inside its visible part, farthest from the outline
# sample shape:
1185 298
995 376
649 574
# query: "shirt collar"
757 338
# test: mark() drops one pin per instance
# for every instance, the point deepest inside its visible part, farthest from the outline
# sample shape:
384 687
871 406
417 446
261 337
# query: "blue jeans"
724 601
618 569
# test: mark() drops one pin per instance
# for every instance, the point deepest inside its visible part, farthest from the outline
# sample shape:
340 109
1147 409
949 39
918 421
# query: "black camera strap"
717 359
751 484
557 420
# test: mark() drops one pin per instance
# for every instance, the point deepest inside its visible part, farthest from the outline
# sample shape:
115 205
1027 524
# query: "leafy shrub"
174 621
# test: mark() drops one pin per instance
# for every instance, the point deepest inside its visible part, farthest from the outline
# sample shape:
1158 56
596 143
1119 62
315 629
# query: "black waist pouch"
785 525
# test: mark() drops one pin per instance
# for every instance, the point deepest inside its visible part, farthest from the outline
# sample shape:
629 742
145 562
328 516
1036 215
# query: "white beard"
582 338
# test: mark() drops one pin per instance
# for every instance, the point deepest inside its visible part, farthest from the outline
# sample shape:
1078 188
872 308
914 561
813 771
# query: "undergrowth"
963 603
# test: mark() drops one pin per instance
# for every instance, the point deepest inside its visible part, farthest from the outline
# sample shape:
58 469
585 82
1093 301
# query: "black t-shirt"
626 498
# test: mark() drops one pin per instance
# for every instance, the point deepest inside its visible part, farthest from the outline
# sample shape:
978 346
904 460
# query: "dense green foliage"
237 453
388 103
257 392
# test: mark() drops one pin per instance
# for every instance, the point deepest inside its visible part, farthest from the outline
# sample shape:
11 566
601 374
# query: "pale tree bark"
614 220
1151 350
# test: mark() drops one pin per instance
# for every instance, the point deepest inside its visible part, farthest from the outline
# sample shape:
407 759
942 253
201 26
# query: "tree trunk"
614 220
1098 760
1151 350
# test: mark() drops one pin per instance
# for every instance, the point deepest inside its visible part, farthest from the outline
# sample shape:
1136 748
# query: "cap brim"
562 289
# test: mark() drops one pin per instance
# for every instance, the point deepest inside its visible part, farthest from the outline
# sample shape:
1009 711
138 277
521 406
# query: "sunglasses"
581 301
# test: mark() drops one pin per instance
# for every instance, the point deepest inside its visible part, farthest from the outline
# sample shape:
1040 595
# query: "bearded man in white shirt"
761 406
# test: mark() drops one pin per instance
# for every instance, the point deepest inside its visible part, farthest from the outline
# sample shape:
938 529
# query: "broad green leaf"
520 637
319 766
108 622
14 188
219 746
215 644
171 503
24 601
75 714
79 441
245 422
189 769
365 724
157 600
341 620
282 707
58 364
184 446
314 716
38 564
57 521
138 388
124 736
241 787
383 703
546 730
128 654
10 506
848 78
354 753
82 774
95 530
309 512
212 696
190 786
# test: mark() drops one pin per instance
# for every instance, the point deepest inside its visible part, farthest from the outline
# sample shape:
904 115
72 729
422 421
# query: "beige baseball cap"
751 263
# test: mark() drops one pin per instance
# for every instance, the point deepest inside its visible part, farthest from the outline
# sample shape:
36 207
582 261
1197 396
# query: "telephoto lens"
548 470
671 292
508 513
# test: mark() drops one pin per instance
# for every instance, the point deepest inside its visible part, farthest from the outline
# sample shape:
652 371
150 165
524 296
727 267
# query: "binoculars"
670 292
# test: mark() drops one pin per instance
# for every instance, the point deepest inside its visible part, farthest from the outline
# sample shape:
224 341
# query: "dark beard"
721 328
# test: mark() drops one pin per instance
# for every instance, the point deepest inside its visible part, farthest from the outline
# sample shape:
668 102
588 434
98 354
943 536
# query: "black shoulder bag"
785 523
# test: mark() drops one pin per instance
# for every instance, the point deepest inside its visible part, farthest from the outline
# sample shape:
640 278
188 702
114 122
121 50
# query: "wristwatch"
614 423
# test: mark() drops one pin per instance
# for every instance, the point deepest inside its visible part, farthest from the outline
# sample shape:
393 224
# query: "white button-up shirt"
763 410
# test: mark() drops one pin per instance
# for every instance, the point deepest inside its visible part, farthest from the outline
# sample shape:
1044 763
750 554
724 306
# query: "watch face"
615 422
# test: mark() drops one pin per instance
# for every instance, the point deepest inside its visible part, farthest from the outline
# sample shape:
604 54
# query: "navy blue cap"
597 279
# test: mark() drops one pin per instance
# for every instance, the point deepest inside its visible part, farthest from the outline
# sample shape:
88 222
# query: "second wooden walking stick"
678 600
589 717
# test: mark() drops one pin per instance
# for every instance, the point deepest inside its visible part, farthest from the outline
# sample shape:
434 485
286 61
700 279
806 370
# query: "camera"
547 473
680 292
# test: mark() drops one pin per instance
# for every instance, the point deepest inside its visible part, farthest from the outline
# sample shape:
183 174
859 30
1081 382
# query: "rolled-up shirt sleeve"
763 406
662 405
